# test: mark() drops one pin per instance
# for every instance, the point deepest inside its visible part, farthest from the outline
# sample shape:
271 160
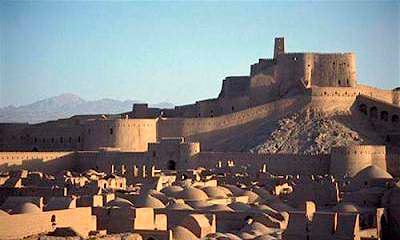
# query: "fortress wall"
11 135
54 137
383 95
290 73
331 70
383 115
234 104
208 108
51 162
264 86
279 164
261 66
352 159
124 134
50 136
393 162
235 86
177 127
342 97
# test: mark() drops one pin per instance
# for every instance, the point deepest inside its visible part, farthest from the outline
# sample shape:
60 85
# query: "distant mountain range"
67 105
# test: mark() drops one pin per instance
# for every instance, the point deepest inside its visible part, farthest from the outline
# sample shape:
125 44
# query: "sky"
179 52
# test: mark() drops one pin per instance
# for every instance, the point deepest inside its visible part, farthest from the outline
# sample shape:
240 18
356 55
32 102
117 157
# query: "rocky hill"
66 105
303 132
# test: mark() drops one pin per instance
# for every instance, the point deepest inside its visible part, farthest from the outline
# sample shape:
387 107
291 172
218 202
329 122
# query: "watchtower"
279 46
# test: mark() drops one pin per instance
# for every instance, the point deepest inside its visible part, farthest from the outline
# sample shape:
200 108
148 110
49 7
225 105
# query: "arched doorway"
395 119
363 109
384 116
373 112
171 165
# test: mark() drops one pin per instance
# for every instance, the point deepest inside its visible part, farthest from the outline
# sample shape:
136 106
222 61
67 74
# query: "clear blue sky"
179 51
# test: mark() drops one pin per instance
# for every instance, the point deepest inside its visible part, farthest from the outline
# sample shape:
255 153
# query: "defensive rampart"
203 130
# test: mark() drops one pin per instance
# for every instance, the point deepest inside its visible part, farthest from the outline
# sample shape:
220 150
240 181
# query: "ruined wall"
123 134
18 226
127 164
51 162
348 161
279 164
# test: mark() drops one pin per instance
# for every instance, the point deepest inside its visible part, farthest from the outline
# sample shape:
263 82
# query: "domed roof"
3 213
193 194
265 237
214 192
148 201
218 208
261 228
235 190
232 236
246 235
238 206
58 203
198 204
171 191
372 172
27 207
253 197
159 195
226 191
346 207
262 193
180 232
178 205
120 202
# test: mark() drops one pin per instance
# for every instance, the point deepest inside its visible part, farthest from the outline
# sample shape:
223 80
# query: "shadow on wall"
53 166
214 139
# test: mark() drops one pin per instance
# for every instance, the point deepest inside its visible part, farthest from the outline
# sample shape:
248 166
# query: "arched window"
395 118
373 112
53 220
363 109
171 165
111 131
384 116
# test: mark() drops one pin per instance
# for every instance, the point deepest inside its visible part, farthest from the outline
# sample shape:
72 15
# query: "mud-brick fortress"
147 138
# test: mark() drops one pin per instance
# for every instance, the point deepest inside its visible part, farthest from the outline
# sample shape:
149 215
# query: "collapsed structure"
148 143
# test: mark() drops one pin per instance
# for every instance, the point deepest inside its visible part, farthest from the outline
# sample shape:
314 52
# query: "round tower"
349 160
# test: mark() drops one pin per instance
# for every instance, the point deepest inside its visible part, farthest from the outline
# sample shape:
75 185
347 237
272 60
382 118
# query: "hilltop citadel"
198 142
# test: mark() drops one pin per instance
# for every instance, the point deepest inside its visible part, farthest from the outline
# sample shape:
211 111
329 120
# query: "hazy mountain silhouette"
67 105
